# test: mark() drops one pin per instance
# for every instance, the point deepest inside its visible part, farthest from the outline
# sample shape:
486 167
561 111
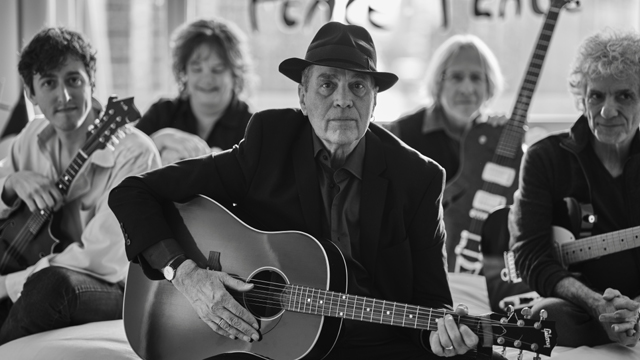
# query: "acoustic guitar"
490 161
23 240
298 297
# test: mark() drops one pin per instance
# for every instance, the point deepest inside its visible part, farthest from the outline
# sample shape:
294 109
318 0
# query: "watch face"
169 273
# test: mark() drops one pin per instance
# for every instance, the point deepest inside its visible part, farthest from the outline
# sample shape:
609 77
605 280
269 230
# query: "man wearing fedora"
327 171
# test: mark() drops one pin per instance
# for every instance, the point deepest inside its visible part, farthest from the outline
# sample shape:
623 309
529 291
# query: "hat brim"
293 67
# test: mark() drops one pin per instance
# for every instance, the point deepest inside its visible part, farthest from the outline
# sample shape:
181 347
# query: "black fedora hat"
348 47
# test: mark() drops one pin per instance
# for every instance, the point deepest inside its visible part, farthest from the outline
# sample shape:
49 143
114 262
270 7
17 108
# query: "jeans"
57 297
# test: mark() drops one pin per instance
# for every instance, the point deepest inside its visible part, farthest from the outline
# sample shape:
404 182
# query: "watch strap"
176 262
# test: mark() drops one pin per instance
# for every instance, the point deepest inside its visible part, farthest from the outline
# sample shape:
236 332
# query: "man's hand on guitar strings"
37 191
619 316
452 339
207 292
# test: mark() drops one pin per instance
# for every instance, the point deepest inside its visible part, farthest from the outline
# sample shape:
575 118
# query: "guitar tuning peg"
526 312
543 315
91 128
510 310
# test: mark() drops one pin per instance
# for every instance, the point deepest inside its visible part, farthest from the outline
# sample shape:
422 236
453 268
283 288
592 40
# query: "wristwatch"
169 271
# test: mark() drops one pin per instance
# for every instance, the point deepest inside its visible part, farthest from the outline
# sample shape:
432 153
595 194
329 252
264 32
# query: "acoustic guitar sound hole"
264 301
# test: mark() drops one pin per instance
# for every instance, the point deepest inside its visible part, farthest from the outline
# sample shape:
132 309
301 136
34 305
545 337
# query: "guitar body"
45 241
468 198
495 242
161 324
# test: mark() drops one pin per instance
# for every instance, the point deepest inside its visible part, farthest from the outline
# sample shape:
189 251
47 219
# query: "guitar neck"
328 303
39 218
599 245
513 134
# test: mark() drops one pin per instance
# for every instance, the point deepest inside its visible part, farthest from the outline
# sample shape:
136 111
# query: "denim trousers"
57 297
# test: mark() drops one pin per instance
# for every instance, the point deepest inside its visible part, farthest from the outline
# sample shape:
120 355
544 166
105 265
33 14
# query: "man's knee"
53 279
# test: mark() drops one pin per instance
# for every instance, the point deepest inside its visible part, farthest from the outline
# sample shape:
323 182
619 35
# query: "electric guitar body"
467 205
489 165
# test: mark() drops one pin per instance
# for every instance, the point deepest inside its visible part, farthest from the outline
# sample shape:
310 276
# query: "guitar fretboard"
600 245
513 134
39 218
328 303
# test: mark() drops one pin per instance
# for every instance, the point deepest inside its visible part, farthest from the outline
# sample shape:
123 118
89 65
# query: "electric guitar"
298 297
501 274
568 251
23 240
490 161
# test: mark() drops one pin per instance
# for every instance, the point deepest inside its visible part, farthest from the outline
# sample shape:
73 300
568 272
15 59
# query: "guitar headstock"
110 128
520 332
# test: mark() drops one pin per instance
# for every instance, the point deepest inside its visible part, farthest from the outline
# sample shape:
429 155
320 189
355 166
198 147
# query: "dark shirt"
341 189
427 131
177 113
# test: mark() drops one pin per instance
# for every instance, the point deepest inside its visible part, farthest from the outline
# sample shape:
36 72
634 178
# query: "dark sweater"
565 165
176 113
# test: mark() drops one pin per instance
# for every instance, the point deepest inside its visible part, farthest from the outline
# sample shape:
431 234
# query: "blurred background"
132 40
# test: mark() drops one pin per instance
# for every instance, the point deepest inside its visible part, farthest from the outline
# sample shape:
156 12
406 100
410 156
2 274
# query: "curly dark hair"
50 49
224 36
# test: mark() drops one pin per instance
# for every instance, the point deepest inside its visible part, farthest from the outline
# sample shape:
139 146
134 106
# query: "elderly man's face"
339 104
613 109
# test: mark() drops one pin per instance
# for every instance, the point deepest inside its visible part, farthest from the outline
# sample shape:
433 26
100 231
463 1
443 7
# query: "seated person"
597 163
325 170
211 64
84 282
462 79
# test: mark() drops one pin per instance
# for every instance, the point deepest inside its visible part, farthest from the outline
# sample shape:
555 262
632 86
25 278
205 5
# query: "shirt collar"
355 160
436 120
103 157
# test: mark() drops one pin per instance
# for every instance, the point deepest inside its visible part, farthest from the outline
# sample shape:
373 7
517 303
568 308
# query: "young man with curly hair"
84 282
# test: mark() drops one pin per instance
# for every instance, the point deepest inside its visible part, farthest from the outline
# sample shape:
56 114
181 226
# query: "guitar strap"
581 217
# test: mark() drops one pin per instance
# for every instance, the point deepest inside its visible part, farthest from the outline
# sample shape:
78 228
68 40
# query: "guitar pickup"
498 174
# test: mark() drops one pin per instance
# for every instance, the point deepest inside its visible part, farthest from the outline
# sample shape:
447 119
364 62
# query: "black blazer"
271 176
